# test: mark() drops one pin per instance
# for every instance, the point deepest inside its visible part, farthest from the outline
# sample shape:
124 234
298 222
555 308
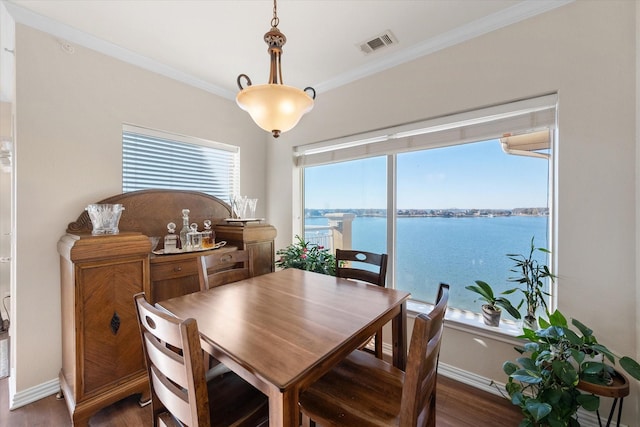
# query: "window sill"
467 321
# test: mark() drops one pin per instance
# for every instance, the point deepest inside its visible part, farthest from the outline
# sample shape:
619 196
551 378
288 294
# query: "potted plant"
532 275
304 255
544 381
491 311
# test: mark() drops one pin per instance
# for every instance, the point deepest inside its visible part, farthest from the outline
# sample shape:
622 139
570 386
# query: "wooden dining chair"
220 268
351 264
180 394
365 391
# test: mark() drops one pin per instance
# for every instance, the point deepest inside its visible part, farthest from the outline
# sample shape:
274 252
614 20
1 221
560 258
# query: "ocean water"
457 251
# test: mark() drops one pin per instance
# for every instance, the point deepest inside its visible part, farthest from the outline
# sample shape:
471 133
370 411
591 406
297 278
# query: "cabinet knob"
178 268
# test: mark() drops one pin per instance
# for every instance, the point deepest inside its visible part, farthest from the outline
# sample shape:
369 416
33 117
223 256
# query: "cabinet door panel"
110 340
166 289
263 258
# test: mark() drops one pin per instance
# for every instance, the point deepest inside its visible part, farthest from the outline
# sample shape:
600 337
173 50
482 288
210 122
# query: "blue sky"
478 175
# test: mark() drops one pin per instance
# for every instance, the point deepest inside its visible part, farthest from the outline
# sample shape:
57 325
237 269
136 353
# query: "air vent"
378 42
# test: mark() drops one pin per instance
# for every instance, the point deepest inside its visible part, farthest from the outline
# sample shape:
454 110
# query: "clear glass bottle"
208 236
185 228
171 240
194 238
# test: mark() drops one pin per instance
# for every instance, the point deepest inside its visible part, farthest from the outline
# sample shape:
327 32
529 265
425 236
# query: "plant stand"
618 389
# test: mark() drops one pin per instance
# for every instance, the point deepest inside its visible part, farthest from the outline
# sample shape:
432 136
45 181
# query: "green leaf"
551 332
592 368
577 355
543 323
589 402
514 389
595 379
537 409
565 372
480 291
585 331
506 304
557 423
526 376
572 337
509 367
605 351
519 349
529 334
557 319
631 366
527 363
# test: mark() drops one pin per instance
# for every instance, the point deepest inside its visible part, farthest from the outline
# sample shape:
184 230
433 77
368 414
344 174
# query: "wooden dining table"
281 331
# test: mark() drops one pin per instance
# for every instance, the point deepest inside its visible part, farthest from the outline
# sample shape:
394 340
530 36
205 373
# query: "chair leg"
431 418
378 344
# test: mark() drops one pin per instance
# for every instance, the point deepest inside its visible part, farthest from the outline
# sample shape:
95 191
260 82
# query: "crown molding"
512 15
72 35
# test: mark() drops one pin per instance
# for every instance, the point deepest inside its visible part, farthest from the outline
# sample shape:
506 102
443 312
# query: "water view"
454 250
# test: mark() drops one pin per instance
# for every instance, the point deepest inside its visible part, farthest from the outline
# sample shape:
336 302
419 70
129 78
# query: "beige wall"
70 111
586 52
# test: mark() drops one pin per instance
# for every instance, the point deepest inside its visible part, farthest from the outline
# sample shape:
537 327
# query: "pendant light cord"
275 20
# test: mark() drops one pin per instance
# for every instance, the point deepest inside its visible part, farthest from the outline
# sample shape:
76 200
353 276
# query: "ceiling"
208 43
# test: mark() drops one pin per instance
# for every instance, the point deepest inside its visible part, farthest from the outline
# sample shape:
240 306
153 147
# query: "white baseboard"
33 394
586 418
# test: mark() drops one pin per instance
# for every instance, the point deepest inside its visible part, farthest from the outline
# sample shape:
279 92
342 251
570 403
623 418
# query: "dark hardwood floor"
458 405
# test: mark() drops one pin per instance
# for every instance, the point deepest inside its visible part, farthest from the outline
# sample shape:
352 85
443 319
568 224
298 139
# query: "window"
153 159
452 206
461 210
345 205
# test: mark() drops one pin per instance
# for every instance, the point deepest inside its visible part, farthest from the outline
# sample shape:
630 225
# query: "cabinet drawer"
171 270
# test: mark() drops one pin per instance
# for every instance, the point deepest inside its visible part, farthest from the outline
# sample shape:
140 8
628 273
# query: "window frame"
520 117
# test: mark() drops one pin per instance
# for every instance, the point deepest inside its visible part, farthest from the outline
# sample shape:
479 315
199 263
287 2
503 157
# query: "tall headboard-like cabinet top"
149 211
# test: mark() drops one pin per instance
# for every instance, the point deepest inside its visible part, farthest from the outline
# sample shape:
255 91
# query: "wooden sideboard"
102 359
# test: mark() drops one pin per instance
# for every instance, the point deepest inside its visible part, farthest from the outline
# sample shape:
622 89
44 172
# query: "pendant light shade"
274 106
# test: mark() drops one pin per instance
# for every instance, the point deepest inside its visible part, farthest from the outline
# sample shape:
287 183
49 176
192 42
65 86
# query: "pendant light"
274 106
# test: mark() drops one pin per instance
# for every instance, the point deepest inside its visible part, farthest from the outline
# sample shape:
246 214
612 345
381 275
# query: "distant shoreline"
432 213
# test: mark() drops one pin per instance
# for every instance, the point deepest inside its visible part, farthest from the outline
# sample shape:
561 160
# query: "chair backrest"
220 268
347 266
418 407
174 364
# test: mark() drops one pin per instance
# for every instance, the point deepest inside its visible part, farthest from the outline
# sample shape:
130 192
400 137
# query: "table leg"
399 337
283 409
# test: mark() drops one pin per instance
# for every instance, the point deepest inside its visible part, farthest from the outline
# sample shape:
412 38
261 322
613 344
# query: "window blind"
154 159
515 118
